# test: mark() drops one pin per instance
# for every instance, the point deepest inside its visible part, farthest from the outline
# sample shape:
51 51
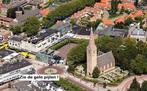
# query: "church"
104 61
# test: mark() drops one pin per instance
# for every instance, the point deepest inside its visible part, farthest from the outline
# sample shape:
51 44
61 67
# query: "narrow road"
81 83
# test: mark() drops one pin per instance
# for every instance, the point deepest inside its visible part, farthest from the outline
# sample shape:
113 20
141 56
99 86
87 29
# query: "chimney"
18 13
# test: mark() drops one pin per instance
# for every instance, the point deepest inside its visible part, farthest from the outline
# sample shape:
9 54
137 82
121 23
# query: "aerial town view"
73 45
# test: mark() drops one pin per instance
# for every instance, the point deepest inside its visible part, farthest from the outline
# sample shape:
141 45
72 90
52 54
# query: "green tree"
5 1
75 57
122 10
144 86
67 9
72 22
11 13
138 19
95 73
94 24
120 25
135 86
98 0
136 3
31 26
114 6
138 65
128 21
16 29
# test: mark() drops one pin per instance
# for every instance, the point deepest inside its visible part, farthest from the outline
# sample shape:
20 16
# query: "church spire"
91 54
91 40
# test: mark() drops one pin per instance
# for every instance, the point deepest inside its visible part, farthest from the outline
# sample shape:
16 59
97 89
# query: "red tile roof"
44 11
127 5
105 1
102 5
107 22
119 20
135 14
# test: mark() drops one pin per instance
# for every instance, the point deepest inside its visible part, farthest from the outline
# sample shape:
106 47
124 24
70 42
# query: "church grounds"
113 77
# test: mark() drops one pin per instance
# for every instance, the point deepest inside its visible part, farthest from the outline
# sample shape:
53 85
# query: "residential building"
139 35
40 42
109 30
6 54
14 69
21 18
36 86
5 21
80 32
4 35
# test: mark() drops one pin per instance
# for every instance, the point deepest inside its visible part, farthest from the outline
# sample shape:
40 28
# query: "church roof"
105 58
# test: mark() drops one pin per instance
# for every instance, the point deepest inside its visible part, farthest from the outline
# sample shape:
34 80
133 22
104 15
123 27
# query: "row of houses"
12 66
134 31
40 42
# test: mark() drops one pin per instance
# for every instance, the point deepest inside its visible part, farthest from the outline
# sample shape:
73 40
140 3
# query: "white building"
40 42
139 34
12 71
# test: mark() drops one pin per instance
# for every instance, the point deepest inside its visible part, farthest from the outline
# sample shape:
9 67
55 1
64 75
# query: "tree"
72 22
5 1
75 57
144 86
138 65
16 29
120 25
95 73
128 21
67 9
122 10
114 6
94 24
136 3
98 0
31 26
138 19
11 12
135 86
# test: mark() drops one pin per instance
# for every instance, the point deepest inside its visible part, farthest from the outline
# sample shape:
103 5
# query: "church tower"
91 55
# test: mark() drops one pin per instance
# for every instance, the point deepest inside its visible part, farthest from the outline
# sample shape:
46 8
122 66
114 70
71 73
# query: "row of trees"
65 10
135 86
30 27
129 54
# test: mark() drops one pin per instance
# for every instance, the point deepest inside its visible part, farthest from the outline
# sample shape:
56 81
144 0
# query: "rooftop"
4 53
81 30
6 19
8 67
27 13
16 38
41 35
113 32
139 32
105 58
107 22
44 11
